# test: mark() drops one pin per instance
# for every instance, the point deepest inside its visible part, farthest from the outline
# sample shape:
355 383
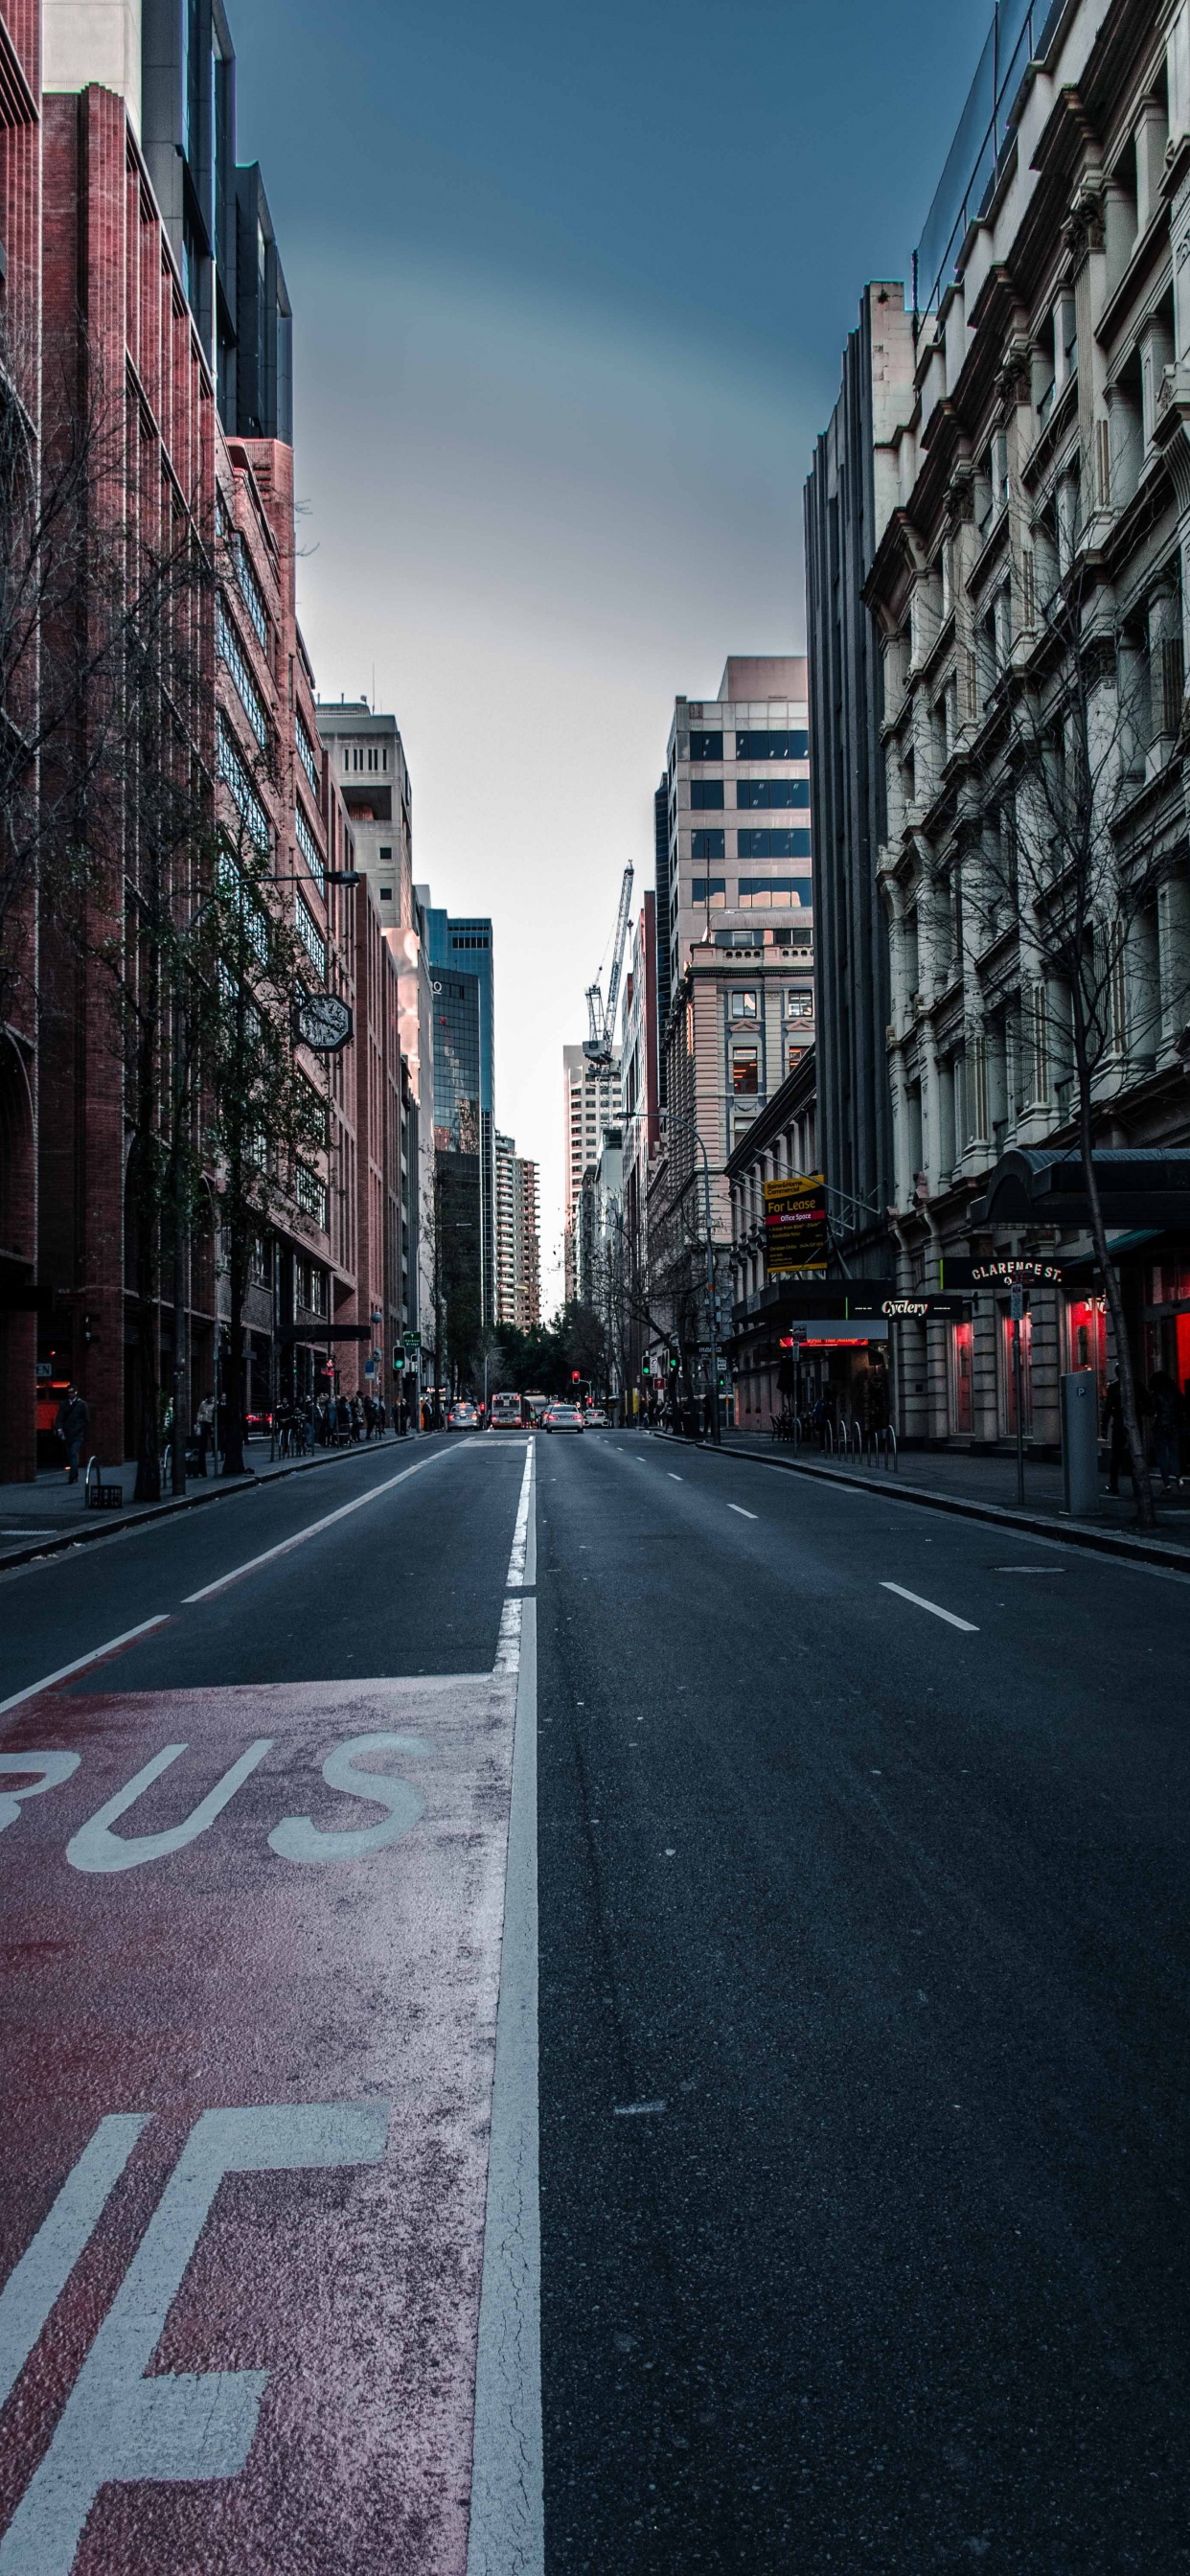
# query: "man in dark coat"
74 1414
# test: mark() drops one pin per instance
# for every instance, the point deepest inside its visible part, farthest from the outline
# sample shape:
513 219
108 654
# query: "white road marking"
516 1564
52 1769
119 2424
40 2277
507 2527
313 1527
935 1608
1030 1569
299 1838
674 1480
635 2110
81 1661
98 1851
744 1516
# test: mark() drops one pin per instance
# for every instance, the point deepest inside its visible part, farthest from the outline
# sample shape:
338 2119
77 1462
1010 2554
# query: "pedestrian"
73 1417
1167 1428
204 1424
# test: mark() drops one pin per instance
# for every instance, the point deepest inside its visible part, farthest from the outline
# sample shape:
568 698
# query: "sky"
571 288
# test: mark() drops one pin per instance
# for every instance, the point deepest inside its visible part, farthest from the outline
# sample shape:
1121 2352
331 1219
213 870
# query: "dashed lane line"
935 1608
744 1516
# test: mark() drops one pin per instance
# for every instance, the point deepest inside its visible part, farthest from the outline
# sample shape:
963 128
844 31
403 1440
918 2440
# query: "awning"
1139 1187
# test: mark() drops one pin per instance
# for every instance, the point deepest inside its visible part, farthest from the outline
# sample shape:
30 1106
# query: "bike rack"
99 1497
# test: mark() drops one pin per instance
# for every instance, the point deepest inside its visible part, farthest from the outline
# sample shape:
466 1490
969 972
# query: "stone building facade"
1043 493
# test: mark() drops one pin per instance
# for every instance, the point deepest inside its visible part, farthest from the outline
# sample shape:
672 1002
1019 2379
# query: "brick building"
157 298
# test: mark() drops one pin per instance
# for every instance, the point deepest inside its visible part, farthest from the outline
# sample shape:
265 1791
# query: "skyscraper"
460 961
592 1101
518 1256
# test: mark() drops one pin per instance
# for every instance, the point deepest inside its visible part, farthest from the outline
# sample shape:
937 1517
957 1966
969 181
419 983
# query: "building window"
754 793
710 890
306 753
236 779
386 894
793 1054
962 1400
309 934
743 1006
231 650
745 1069
251 592
1008 1377
799 1005
311 1195
773 845
310 850
706 746
772 746
757 894
707 793
708 845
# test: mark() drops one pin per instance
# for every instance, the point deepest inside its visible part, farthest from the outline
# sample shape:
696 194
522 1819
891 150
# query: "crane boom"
598 1047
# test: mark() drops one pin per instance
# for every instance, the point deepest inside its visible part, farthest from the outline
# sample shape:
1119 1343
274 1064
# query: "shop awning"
1140 1187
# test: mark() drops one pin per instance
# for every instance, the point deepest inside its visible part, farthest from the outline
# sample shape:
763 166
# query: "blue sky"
570 289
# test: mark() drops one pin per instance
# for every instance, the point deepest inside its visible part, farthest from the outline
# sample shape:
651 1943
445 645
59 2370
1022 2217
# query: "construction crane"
597 1048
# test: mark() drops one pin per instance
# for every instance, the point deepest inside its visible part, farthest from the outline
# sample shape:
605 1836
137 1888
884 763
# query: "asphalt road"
859 2078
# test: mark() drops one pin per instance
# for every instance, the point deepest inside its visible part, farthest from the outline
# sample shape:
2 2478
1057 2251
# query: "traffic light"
646 1366
576 1377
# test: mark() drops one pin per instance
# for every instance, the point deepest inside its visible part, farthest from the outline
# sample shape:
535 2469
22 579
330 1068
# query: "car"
462 1417
595 1418
562 1417
505 1412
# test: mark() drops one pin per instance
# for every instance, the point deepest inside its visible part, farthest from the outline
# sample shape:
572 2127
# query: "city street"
806 1874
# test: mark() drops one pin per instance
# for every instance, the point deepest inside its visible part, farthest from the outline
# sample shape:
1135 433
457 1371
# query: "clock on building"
324 1023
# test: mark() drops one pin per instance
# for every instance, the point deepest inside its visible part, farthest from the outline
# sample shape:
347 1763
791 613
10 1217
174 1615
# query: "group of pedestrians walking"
330 1422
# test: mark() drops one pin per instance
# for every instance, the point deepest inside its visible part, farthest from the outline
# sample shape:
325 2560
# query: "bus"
505 1412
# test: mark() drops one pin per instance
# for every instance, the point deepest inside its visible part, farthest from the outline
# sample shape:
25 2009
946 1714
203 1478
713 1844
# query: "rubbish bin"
1080 1442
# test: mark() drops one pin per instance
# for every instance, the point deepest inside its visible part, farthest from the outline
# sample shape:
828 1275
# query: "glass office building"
460 960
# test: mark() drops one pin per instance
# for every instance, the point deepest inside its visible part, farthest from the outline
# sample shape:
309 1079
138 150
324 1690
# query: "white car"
596 1418
462 1417
562 1417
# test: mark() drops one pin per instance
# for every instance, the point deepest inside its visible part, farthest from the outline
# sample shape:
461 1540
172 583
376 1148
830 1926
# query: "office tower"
518 1258
850 496
591 1101
460 961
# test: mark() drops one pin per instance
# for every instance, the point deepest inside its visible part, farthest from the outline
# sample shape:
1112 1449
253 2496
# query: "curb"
218 1491
1100 1542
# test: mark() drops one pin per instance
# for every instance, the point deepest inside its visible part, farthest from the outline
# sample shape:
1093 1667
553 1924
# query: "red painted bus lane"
253 1946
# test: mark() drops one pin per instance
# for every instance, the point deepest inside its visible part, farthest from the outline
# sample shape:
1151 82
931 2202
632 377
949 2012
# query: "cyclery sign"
795 1227
905 1306
1010 1270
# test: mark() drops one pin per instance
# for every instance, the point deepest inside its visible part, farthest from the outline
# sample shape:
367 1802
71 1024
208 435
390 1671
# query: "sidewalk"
49 1515
985 1488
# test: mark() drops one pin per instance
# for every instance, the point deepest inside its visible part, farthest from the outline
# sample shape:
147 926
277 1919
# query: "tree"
1067 861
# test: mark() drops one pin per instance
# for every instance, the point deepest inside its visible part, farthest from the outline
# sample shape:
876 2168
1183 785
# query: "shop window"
962 1392
1086 1338
1008 1376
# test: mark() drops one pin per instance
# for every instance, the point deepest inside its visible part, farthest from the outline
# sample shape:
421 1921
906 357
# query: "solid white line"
520 1536
920 1603
507 2528
81 1661
313 1527
744 1516
674 1480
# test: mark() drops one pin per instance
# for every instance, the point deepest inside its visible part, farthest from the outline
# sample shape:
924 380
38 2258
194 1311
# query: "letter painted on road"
299 1838
96 1848
119 2424
53 1768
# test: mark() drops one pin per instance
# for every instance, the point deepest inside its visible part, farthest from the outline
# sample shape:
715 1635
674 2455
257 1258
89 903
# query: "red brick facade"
93 244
